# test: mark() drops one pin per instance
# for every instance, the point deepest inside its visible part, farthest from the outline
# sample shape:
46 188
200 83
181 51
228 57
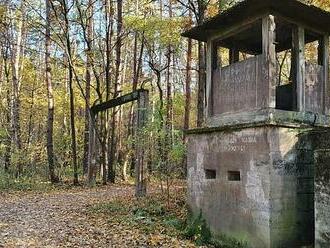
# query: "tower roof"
293 11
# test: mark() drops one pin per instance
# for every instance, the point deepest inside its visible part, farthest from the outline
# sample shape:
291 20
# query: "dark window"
210 174
234 176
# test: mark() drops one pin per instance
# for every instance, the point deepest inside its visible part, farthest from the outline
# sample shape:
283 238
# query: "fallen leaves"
148 221
64 219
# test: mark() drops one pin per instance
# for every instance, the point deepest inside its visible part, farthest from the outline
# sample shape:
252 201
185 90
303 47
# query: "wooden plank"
269 53
314 88
293 11
235 87
209 67
117 101
141 162
323 59
320 51
326 75
298 66
262 89
236 27
233 55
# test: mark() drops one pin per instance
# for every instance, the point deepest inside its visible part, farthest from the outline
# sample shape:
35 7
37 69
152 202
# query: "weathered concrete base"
322 189
257 183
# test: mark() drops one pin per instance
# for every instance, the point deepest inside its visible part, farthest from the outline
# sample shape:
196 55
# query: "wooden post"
269 51
298 66
91 150
209 83
323 59
233 55
141 163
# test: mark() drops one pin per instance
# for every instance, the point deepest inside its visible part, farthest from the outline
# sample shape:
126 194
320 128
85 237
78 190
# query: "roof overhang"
311 17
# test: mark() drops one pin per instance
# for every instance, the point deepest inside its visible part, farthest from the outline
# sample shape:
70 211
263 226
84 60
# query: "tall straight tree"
65 13
50 97
104 117
88 75
112 155
7 155
15 106
169 100
199 8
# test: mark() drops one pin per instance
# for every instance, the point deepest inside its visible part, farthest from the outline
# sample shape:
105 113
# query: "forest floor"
107 216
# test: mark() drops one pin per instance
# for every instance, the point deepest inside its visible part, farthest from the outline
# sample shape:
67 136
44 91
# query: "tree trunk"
73 128
92 168
141 162
109 12
50 99
187 102
137 65
88 84
15 118
7 155
112 156
71 94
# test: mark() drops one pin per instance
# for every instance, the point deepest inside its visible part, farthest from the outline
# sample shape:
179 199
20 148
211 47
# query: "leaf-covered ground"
80 217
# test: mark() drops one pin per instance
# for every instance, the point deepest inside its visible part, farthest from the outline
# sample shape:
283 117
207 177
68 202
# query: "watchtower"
262 157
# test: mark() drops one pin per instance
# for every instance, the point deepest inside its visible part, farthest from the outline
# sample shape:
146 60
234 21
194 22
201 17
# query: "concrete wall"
272 204
292 191
322 188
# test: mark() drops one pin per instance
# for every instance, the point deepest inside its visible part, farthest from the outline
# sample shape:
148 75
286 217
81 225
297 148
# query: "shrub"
197 230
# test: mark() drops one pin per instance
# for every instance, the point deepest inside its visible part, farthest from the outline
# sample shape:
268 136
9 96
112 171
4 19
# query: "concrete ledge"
263 117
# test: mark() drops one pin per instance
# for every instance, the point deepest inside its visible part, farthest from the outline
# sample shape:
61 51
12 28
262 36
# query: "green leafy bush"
197 229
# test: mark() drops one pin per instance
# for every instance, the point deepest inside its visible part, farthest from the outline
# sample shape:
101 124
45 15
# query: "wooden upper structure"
254 32
249 10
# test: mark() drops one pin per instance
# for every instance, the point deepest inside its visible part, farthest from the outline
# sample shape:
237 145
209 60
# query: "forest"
59 59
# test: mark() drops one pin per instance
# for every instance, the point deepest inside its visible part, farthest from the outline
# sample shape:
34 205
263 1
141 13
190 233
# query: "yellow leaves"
323 4
2 12
155 240
3 225
212 9
165 30
106 216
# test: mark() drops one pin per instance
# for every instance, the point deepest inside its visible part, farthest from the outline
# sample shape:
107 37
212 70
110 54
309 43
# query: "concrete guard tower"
260 168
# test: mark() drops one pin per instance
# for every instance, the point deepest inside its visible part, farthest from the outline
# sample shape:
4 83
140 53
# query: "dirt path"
56 219
62 219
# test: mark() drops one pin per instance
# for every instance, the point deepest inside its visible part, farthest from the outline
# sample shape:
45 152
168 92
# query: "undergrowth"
152 215
9 182
31 182
149 214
